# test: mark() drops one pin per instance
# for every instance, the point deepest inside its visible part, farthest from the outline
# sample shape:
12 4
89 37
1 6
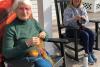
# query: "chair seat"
76 46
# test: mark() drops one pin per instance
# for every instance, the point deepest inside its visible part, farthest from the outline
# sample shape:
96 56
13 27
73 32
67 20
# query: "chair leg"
76 51
63 54
76 46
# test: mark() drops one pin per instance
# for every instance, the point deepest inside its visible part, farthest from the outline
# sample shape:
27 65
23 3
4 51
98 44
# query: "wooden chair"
59 6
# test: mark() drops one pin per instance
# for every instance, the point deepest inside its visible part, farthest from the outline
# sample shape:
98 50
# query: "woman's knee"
90 32
84 34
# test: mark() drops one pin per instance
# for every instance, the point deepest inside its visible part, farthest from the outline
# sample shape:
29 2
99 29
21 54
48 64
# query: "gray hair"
18 2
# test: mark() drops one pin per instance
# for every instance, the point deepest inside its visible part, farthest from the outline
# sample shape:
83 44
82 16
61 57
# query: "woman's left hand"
42 35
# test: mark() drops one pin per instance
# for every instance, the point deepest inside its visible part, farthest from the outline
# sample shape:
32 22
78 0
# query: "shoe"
93 57
90 60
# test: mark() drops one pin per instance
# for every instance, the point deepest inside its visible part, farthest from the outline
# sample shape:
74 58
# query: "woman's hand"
42 35
77 17
83 17
33 41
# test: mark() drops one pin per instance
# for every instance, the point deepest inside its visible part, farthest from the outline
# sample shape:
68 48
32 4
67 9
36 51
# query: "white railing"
34 9
92 5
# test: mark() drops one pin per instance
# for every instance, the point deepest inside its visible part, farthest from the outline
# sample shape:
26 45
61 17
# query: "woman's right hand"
77 17
33 41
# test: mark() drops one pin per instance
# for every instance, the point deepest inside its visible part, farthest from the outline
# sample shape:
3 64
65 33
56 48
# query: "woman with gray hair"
22 38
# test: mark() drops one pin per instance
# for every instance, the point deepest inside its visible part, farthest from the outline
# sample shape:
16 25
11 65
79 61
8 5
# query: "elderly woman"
22 37
75 16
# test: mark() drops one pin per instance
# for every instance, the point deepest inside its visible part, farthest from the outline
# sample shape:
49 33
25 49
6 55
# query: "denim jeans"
86 36
30 62
39 61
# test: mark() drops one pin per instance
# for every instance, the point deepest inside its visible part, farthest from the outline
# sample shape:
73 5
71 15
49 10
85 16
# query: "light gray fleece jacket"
69 14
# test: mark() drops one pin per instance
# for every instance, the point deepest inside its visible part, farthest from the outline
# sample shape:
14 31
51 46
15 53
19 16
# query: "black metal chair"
59 6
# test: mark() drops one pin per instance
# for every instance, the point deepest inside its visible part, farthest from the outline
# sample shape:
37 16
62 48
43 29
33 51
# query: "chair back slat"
60 5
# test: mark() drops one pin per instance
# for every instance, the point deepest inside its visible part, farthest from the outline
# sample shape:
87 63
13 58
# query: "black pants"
86 36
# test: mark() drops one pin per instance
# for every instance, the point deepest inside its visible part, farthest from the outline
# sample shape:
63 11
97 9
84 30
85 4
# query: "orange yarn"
40 49
34 53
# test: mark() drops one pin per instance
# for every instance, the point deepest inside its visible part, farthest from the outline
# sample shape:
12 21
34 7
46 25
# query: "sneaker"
90 60
93 57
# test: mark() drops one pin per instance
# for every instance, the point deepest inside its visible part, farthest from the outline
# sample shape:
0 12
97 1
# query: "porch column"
45 17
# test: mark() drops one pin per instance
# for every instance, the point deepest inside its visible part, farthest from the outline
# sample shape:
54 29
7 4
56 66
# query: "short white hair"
17 2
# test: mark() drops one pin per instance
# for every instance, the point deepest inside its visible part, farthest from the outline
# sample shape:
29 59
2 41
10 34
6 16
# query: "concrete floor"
71 62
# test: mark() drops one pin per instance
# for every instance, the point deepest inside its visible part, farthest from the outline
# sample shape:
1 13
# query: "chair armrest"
94 20
57 40
63 26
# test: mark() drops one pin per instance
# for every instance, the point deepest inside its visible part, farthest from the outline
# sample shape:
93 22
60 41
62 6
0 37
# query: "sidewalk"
71 62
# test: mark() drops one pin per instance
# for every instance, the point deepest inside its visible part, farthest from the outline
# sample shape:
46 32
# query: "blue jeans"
86 36
39 61
30 62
